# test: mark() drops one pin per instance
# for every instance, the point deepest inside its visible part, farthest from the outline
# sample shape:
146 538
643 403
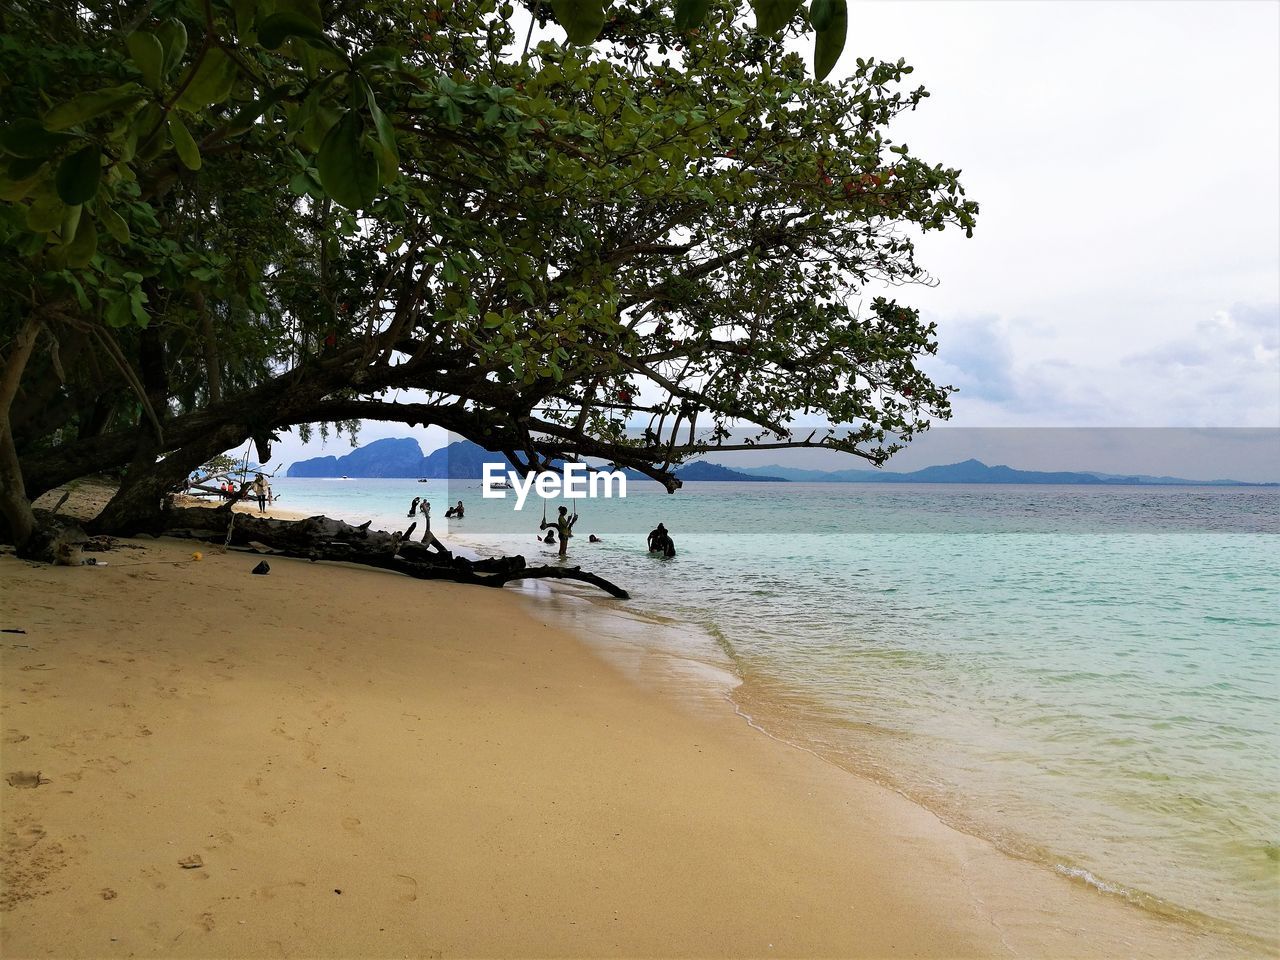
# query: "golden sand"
341 762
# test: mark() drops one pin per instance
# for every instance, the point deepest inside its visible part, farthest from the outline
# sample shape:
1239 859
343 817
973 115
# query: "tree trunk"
138 506
19 521
320 538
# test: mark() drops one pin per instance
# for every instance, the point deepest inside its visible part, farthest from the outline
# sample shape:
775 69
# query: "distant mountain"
392 457
462 460
975 471
794 474
700 470
465 460
402 457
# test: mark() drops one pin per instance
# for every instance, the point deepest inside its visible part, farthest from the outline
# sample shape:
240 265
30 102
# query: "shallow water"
1088 676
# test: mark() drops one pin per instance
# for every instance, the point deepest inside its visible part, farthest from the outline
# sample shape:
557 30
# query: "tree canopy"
223 218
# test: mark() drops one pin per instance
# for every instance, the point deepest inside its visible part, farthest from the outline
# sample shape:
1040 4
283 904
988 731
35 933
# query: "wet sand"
368 765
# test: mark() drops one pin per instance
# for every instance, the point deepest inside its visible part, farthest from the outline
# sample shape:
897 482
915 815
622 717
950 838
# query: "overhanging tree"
222 219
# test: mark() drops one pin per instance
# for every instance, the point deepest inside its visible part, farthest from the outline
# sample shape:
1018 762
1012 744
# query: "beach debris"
12 630
192 862
259 547
27 779
101 544
109 894
262 569
197 555
322 538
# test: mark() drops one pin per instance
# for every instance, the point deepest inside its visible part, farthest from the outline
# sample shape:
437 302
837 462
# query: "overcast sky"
1126 267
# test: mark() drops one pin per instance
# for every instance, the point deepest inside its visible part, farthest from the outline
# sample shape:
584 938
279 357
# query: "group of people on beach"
260 490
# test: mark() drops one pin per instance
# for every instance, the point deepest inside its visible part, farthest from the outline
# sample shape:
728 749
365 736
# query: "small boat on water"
422 479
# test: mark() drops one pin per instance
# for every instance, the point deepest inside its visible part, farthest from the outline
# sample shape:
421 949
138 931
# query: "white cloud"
1223 372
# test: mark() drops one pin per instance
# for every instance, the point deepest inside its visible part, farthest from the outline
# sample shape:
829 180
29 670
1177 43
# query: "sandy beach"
341 762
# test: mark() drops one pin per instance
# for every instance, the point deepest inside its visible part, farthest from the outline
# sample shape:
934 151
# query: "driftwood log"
321 538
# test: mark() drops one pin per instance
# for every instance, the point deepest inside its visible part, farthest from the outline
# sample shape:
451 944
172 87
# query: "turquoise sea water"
1089 677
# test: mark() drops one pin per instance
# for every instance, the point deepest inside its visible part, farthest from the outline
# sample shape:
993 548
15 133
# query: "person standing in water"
564 526
413 507
660 541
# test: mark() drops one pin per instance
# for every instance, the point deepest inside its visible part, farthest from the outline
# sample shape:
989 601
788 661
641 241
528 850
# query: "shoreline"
933 890
715 684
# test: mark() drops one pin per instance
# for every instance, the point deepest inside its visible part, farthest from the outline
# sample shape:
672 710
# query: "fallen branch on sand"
321 538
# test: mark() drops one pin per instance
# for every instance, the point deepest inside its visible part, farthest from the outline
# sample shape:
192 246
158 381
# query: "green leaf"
11 189
26 137
300 184
388 154
117 312
820 14
379 56
114 223
81 250
690 13
90 105
20 168
348 167
279 27
244 11
307 8
211 83
79 174
829 43
137 297
324 117
147 54
773 15
70 222
250 113
172 35
184 143
45 213
582 19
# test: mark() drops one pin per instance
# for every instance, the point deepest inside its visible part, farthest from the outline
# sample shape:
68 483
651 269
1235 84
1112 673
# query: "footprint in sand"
409 888
351 823
13 736
270 892
152 875
25 836
28 779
